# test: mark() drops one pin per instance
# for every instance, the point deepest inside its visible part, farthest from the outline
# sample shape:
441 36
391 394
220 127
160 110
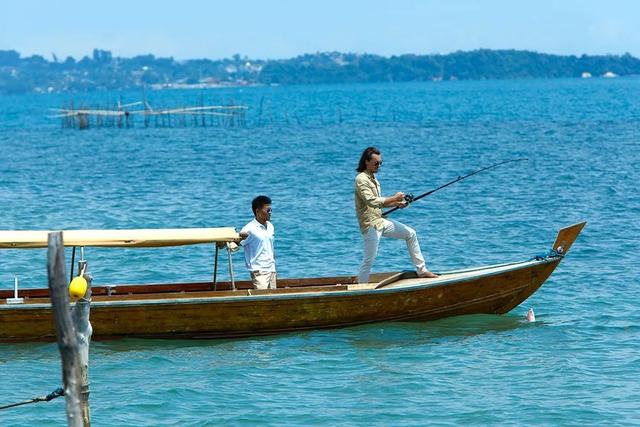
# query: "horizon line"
243 56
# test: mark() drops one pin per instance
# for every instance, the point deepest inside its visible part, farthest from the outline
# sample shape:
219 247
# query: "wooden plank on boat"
566 237
390 279
142 238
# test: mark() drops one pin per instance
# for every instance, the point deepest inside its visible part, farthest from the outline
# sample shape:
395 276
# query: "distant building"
586 75
609 75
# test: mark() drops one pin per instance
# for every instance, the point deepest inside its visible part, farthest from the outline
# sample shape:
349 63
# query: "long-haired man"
369 203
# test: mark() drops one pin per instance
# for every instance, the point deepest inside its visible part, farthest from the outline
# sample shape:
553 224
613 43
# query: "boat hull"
245 312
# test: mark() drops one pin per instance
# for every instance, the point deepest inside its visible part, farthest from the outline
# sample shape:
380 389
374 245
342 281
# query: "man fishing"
369 204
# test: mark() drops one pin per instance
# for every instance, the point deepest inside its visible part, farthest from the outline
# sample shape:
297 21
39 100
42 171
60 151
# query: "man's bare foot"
426 274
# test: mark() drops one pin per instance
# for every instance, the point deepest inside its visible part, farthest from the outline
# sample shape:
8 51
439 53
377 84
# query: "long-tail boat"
233 308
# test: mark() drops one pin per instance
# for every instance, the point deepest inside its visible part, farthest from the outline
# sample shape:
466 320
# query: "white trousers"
394 230
263 279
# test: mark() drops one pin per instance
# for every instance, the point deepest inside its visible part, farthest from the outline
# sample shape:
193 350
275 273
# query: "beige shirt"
369 203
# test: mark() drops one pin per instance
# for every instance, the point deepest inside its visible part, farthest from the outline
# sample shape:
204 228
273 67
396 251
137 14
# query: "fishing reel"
408 198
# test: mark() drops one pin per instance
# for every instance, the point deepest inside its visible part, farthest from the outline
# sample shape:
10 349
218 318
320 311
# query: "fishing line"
408 198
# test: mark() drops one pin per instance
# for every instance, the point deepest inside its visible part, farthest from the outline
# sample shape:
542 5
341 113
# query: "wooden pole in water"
67 339
83 121
84 330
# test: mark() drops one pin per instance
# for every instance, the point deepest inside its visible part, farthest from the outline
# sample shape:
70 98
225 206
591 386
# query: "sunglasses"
378 163
268 210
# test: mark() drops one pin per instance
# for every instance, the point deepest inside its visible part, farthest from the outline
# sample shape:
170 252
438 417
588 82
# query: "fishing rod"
408 198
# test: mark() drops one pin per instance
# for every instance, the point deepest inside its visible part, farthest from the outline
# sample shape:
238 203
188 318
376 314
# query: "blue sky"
283 28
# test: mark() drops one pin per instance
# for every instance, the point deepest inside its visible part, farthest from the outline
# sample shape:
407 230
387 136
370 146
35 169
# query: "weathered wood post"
66 335
84 330
83 121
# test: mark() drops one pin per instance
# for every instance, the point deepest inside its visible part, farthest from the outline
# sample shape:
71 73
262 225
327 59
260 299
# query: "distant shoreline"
103 71
185 86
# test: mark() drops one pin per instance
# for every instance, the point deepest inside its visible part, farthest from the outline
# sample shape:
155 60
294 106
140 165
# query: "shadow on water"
444 330
470 325
386 334
143 344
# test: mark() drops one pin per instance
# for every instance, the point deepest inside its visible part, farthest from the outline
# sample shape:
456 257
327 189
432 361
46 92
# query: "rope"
54 394
551 254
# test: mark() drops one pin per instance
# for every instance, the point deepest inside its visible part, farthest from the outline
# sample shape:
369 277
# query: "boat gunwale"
308 294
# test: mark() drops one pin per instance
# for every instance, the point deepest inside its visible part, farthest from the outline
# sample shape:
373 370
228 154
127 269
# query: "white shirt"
258 247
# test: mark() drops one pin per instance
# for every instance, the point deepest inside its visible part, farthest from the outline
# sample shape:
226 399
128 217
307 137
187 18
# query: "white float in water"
531 316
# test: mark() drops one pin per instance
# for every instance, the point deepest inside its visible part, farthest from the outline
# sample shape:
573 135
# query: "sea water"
579 363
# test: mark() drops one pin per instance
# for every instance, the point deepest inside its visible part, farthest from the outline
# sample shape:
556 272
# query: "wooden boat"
235 309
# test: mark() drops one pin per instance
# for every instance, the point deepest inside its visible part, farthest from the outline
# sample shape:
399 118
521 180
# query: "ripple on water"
576 365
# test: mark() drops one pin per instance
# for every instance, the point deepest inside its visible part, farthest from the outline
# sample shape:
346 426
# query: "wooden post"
67 340
84 330
83 121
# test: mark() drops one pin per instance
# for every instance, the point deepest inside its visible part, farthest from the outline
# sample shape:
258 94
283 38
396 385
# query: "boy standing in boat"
369 204
257 240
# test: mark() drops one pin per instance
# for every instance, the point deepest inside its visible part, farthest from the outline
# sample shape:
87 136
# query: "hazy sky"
281 28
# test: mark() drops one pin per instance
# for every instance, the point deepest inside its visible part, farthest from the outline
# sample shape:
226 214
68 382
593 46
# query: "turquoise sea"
578 364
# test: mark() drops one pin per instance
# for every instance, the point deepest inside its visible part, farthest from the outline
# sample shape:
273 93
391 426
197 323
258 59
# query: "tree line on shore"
103 71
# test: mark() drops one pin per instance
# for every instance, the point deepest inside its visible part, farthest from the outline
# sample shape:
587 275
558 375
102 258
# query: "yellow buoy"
78 287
